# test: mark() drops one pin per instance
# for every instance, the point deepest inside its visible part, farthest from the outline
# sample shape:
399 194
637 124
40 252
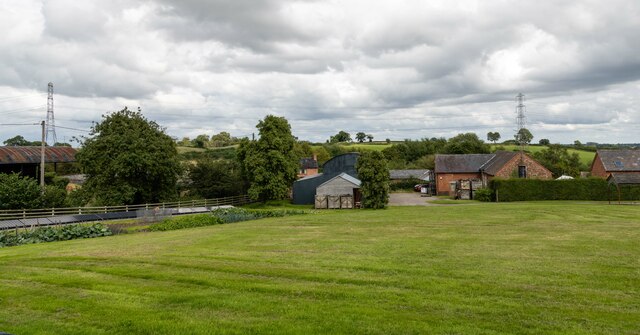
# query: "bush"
593 189
187 221
405 184
50 234
484 195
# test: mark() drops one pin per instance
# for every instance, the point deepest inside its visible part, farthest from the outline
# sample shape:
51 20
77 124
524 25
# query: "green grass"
586 157
516 268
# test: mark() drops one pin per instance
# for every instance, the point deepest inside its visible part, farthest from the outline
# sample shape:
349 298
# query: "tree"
374 174
524 136
19 141
468 143
557 159
341 136
211 178
269 164
129 160
370 138
200 141
493 136
360 137
322 155
17 192
223 139
544 141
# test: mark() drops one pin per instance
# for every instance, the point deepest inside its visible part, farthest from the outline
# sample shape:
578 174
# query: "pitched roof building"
607 162
502 164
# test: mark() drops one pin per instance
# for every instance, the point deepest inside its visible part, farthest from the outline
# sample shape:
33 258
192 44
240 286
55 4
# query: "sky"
394 69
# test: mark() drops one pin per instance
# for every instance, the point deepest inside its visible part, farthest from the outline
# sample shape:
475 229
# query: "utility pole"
42 144
51 123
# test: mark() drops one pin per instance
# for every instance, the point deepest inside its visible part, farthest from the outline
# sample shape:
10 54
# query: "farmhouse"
304 190
26 160
502 164
308 167
619 162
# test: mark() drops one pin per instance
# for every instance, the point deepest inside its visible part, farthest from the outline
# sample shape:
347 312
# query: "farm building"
341 191
308 167
304 190
26 160
607 162
503 164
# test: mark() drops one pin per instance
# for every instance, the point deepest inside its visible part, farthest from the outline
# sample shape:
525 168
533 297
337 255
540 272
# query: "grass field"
516 268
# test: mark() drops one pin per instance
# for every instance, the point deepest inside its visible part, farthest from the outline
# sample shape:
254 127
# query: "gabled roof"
629 178
408 174
498 161
31 155
619 160
356 182
469 163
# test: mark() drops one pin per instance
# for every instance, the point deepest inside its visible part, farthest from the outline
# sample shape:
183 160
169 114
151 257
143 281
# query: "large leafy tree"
129 160
360 137
524 136
467 143
341 136
211 178
19 141
493 136
374 174
270 163
559 161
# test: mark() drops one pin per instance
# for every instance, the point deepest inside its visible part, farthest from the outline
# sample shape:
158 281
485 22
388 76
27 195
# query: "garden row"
78 231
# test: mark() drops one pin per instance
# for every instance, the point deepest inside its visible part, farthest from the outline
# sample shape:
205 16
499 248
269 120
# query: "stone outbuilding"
484 167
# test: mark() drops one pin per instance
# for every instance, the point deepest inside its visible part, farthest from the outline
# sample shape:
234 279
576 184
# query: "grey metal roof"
624 178
469 163
347 177
500 158
408 174
620 160
31 155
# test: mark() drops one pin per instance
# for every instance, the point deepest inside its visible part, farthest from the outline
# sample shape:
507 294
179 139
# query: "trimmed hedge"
592 189
230 215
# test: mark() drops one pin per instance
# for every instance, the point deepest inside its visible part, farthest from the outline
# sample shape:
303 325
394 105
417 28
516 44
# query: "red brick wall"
597 168
535 170
443 180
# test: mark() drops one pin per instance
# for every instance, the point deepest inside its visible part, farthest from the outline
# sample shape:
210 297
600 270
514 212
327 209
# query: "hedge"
592 189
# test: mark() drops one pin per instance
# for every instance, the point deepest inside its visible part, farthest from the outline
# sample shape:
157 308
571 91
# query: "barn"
484 167
26 160
304 190
620 162
341 191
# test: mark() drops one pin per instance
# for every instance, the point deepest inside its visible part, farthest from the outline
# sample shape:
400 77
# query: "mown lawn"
514 268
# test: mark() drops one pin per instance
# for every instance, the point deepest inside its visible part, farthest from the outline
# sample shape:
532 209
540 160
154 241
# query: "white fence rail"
18 214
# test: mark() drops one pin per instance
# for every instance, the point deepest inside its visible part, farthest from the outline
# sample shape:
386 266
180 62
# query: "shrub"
405 184
187 221
229 215
484 195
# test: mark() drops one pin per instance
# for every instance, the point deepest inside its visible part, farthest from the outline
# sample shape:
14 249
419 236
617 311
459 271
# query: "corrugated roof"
31 155
408 174
624 178
345 176
469 163
620 160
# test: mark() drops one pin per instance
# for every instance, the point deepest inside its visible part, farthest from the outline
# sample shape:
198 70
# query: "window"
522 171
618 164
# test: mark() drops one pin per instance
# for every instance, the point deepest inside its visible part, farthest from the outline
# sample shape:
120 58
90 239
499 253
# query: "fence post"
105 209
53 212
24 214
126 208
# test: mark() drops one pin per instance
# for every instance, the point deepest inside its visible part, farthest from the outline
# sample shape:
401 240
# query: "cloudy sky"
395 69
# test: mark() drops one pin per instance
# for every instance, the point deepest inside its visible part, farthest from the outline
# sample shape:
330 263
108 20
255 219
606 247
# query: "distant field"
586 157
480 268
376 146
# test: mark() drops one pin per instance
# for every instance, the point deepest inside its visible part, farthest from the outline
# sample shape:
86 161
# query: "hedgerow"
592 189
187 221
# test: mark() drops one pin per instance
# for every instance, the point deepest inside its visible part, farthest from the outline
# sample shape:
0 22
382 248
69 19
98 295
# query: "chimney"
315 157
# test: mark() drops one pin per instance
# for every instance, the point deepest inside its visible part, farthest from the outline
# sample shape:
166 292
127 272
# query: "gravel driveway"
409 199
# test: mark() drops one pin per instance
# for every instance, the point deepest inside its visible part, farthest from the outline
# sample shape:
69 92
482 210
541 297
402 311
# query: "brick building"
607 162
501 164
